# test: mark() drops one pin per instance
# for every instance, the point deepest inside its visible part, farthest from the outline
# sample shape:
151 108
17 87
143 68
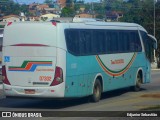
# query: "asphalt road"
120 100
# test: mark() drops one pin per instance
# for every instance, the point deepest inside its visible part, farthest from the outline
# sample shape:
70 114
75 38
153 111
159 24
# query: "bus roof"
119 24
95 23
125 24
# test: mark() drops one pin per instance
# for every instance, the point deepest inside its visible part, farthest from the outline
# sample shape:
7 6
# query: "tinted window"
148 46
98 41
93 41
124 41
72 37
85 42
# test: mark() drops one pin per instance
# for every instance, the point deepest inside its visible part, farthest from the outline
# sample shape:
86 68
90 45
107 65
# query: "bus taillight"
58 78
9 23
54 23
4 76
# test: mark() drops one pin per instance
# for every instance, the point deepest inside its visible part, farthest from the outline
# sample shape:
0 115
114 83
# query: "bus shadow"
41 103
118 92
44 104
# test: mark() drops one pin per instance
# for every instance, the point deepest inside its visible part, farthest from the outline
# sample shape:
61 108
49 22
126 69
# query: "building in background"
85 15
113 15
62 3
49 16
11 18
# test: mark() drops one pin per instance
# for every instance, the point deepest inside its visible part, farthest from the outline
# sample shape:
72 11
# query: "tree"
137 11
78 4
67 12
140 12
10 7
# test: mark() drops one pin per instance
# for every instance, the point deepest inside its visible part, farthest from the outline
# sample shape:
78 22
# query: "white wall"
11 19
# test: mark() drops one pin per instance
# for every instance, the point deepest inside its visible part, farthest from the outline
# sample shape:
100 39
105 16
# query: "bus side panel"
118 70
140 64
61 62
148 73
82 70
80 75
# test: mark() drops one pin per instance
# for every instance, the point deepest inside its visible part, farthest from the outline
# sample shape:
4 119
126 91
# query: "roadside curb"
155 69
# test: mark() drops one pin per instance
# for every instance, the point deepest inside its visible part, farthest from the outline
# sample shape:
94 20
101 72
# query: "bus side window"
72 40
114 41
123 41
85 42
137 44
126 41
132 41
99 41
111 41
108 42
82 42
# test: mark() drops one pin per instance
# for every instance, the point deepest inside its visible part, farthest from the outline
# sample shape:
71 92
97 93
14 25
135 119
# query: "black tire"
137 86
97 90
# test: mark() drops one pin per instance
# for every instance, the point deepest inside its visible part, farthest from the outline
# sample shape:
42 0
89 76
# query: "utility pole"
154 19
154 29
92 10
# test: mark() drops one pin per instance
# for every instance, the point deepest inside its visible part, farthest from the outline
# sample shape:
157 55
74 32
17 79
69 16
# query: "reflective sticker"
6 59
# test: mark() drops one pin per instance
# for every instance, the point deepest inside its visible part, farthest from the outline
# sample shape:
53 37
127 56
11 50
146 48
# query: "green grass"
155 107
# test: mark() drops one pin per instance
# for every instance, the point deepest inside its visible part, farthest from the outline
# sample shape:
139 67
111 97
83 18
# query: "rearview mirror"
154 41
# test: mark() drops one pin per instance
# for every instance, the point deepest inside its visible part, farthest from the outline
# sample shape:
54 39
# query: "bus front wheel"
97 90
137 86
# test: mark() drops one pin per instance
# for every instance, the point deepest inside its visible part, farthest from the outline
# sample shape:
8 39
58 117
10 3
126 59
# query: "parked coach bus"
68 60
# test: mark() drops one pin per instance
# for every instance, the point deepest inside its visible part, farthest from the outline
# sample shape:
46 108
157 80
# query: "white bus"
67 60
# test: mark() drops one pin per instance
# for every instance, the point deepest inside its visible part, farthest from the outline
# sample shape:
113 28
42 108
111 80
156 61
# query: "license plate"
29 91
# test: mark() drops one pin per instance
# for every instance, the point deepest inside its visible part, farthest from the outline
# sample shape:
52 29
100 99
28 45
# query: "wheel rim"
138 84
96 91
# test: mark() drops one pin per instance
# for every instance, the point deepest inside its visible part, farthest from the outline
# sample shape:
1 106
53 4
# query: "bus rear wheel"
97 90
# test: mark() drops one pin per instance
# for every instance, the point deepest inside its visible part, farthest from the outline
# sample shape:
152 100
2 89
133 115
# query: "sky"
41 1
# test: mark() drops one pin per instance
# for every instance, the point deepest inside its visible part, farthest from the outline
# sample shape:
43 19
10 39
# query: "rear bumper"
40 92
